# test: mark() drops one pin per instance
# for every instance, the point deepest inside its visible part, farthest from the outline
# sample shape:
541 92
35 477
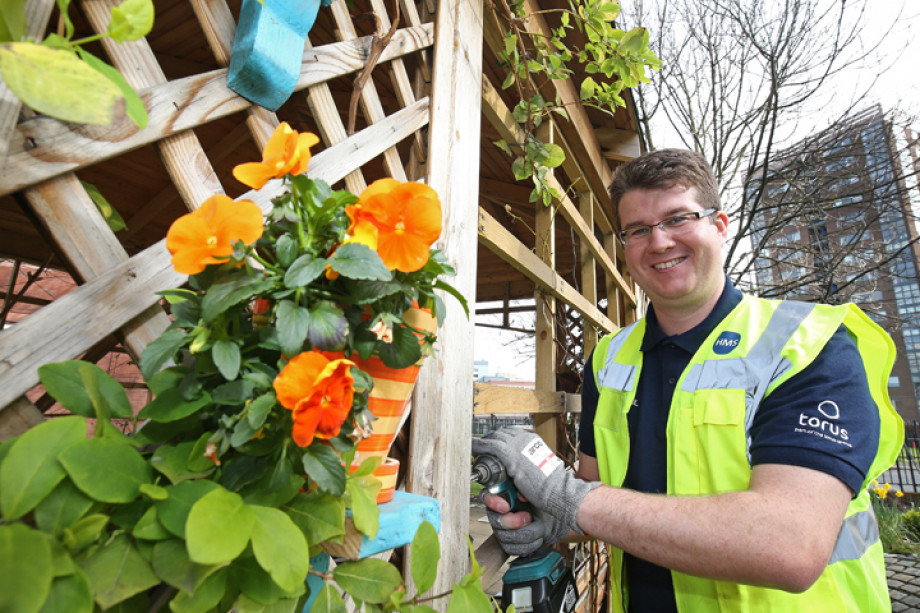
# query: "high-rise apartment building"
833 222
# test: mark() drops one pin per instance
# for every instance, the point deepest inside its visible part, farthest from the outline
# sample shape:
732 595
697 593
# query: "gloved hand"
543 530
537 473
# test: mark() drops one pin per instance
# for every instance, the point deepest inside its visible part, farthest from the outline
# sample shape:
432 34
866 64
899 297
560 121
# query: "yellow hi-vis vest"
708 440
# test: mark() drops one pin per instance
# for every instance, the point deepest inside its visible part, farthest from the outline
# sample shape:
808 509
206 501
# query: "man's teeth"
668 264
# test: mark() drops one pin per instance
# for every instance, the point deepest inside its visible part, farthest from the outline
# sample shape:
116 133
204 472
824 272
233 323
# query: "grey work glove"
537 473
543 530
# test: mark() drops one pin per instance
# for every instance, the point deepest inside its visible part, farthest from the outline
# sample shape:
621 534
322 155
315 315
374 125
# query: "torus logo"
825 425
726 342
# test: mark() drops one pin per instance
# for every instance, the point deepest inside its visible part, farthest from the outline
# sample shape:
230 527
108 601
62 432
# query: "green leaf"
61 508
403 352
226 356
304 271
106 470
69 594
634 41
521 169
370 579
218 527
328 601
24 583
321 517
256 583
117 571
31 469
65 383
426 553
160 351
171 563
173 512
232 288
327 326
106 395
553 155
325 468
588 87
108 212
365 512
148 528
233 393
134 108
469 599
56 83
280 547
131 20
84 532
259 409
357 261
205 597
171 406
286 250
292 323
173 462
12 20
274 488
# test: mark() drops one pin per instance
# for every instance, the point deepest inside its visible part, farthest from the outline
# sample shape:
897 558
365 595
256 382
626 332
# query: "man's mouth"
668 264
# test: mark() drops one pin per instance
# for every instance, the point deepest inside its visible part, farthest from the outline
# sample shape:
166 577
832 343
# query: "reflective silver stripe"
858 533
614 375
754 372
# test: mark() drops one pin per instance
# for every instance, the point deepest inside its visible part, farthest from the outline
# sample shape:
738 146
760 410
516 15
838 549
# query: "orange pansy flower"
407 217
203 236
319 391
287 151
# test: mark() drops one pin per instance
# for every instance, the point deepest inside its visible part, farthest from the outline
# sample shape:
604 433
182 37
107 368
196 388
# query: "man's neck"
679 320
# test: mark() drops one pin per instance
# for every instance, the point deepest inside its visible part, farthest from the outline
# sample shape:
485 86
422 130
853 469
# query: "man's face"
681 270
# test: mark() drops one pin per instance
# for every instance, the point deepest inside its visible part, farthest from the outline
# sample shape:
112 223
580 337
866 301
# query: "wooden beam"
516 253
491 398
19 417
588 272
619 145
443 398
43 147
500 116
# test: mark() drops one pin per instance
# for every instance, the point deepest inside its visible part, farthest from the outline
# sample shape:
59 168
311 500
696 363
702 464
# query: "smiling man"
727 441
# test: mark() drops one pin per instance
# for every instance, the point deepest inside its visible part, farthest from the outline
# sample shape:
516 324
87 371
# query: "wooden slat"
173 107
498 114
490 399
219 29
184 158
370 101
37 12
331 127
507 247
124 293
443 399
619 145
19 417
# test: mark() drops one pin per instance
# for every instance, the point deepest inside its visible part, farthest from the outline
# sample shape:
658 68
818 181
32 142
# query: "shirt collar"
691 340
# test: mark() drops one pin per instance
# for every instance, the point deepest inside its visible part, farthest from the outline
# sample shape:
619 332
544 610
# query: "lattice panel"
198 130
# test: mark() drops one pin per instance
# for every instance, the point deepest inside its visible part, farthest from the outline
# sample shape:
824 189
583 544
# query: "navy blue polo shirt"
777 434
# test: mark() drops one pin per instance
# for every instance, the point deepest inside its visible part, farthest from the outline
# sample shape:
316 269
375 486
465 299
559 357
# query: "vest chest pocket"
612 408
720 440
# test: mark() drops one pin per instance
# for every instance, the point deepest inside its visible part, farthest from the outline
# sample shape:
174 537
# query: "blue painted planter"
268 49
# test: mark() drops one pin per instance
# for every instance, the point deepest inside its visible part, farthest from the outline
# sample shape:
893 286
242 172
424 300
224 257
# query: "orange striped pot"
389 402
386 472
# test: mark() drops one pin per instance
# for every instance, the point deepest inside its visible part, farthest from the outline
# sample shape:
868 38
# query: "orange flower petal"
380 186
253 174
301 157
296 379
237 221
405 252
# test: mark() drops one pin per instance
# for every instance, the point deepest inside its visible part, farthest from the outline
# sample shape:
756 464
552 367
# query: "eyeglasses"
675 224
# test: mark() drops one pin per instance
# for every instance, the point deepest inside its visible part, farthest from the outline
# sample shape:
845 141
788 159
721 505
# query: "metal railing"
905 474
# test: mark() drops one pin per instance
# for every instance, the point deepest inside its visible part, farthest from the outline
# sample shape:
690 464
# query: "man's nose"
659 238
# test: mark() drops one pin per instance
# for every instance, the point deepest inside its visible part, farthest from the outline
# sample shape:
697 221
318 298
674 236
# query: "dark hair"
664 169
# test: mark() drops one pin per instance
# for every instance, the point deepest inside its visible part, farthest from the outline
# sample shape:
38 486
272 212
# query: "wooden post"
588 272
443 401
545 325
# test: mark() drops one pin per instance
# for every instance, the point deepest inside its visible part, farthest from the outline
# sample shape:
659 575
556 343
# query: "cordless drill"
540 582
